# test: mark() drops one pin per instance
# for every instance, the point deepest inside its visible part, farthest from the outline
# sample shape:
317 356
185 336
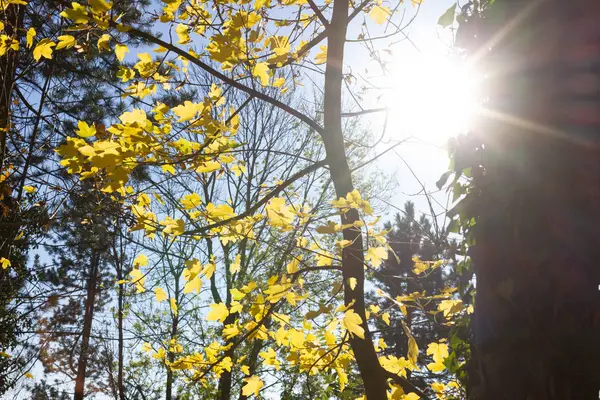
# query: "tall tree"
531 207
79 275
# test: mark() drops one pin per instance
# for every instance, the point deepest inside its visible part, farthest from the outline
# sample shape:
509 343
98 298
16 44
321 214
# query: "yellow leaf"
230 330
183 33
138 279
120 51
187 111
218 312
168 168
103 42
252 386
343 243
352 283
84 130
29 189
278 82
209 270
140 260
321 57
173 227
208 166
77 14
386 318
261 71
43 49
236 294
413 350
439 351
30 35
160 294
193 284
65 42
135 116
379 14
5 263
279 214
173 304
352 323
292 267
217 213
450 307
191 201
147 347
99 6
375 255
235 266
28 375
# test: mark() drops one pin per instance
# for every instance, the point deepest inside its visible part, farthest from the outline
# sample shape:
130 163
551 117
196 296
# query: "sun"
430 97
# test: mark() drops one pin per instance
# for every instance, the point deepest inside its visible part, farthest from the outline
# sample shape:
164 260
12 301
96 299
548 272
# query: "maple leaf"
183 33
218 312
173 304
138 279
191 201
193 284
352 283
292 266
43 49
5 263
386 318
103 42
187 111
321 57
352 323
375 255
379 14
261 71
84 130
173 227
77 14
252 386
221 212
135 116
140 260
208 166
30 35
236 294
160 294
120 51
279 214
65 42
235 266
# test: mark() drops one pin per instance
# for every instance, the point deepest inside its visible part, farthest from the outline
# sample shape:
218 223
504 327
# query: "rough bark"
537 242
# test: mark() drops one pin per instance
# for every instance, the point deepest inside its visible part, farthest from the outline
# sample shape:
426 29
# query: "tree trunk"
120 387
87 328
537 208
373 376
13 22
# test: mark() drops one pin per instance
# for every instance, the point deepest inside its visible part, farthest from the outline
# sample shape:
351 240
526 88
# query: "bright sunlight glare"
430 97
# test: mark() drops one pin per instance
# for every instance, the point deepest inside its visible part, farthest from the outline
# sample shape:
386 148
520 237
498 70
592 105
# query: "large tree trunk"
537 206
87 328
